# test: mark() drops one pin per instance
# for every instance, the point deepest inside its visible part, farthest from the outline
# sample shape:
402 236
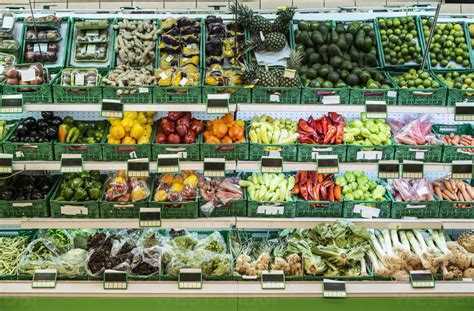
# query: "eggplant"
29 139
41 124
20 196
48 115
7 194
21 130
51 132
45 188
36 196
29 123
56 121
14 138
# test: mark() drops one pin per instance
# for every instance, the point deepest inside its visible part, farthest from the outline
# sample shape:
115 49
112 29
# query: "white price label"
369 155
169 58
289 73
8 22
183 82
28 75
275 98
331 100
142 90
163 75
90 49
366 211
392 93
40 47
92 33
79 79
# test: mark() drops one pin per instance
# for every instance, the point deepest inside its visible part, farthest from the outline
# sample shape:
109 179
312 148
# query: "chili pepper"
324 124
316 190
331 193
297 178
337 193
331 132
339 134
324 194
320 178
296 189
336 118
318 125
72 134
302 124
309 186
333 140
328 177
304 176
315 178
327 183
306 140
304 191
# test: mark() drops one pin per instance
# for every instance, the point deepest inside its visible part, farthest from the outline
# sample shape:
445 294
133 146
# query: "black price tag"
150 217
334 289
460 1
464 111
71 163
376 109
412 169
462 169
273 279
167 163
112 108
214 167
389 169
327 164
6 163
138 167
190 279
11 104
115 279
44 278
271 164
421 279
217 103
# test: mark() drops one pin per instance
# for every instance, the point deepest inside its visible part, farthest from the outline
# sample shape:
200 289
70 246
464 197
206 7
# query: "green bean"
11 249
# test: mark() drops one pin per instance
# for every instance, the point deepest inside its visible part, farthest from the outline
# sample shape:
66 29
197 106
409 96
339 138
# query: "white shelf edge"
248 107
234 289
228 222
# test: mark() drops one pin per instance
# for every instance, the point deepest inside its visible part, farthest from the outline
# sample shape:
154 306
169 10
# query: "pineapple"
274 42
294 61
253 74
282 22
267 77
246 17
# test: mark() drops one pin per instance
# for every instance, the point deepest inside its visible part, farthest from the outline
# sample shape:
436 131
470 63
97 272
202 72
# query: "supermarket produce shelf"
237 107
237 222
198 165
235 289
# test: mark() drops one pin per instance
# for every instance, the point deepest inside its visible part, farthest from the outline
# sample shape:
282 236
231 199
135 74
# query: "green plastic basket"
448 209
357 153
425 153
70 209
285 95
75 94
361 96
421 97
451 153
238 94
32 94
258 208
27 208
456 95
256 150
308 152
187 152
122 152
28 151
318 208
177 94
415 209
383 206
121 209
317 95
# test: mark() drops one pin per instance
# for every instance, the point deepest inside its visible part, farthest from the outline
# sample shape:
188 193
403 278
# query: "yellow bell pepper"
150 121
141 118
160 196
113 141
128 141
127 124
117 131
130 115
177 187
137 131
191 180
240 123
150 114
143 140
148 128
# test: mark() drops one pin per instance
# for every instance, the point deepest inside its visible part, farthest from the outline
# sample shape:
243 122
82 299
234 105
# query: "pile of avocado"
340 56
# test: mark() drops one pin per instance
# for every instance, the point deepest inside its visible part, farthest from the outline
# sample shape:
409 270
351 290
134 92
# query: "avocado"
333 37
357 71
366 29
343 74
364 76
360 62
306 39
314 26
303 26
359 40
297 35
315 84
323 71
316 66
342 43
352 79
340 28
370 60
352 29
349 38
328 85
334 50
379 77
346 56
317 38
323 52
303 69
333 76
314 58
354 54
311 73
310 50
336 61
340 84
367 44
324 30
371 34
347 65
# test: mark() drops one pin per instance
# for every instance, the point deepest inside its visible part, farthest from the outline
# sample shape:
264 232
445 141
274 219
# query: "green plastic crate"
121 209
28 151
456 95
187 152
74 94
12 125
7 232
122 152
425 153
32 94
383 206
448 209
238 94
450 152
71 209
307 152
256 151
237 151
361 96
415 209
89 152
289 208
27 208
318 208
421 97
358 153
132 95
316 95
177 94
286 95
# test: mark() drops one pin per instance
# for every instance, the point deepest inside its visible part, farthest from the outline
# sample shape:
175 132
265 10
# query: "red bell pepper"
303 125
325 124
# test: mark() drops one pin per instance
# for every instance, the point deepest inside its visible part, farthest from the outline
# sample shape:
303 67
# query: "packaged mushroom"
91 52
45 35
49 20
41 52
135 42
79 77
7 24
5 61
126 76
33 74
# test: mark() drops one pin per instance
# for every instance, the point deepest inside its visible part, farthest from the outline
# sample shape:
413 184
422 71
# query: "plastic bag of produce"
151 237
146 261
219 192
39 254
415 132
214 242
412 190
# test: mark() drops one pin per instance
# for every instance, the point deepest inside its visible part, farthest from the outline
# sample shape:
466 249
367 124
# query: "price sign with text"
274 279
271 164
150 217
112 108
389 169
214 167
334 289
464 111
44 278
167 163
462 169
412 169
138 167
6 163
190 279
11 104
375 109
217 103
71 163
115 279
421 279
328 164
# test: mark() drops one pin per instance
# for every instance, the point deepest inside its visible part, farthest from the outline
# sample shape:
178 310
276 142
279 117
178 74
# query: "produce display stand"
228 291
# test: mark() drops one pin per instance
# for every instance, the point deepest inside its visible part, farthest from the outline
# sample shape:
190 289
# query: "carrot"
337 193
331 193
316 189
296 189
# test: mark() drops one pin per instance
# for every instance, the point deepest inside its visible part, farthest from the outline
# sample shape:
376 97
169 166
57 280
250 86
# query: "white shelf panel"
234 289
127 107
238 222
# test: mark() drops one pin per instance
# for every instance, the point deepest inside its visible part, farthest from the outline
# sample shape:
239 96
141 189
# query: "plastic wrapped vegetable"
120 188
415 132
218 192
176 188
412 190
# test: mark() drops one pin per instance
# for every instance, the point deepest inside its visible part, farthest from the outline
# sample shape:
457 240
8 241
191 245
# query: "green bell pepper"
67 193
76 183
69 121
94 193
80 194
96 176
82 127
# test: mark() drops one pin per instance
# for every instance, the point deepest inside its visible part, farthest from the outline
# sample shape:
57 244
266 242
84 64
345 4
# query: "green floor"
234 304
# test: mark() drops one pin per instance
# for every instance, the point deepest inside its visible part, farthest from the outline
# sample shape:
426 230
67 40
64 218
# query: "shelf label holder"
327 164
190 279
271 164
274 279
412 169
111 108
71 163
389 169
114 279
334 289
138 167
167 163
376 109
6 163
421 279
44 278
464 111
217 103
214 167
11 103
150 217
462 169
